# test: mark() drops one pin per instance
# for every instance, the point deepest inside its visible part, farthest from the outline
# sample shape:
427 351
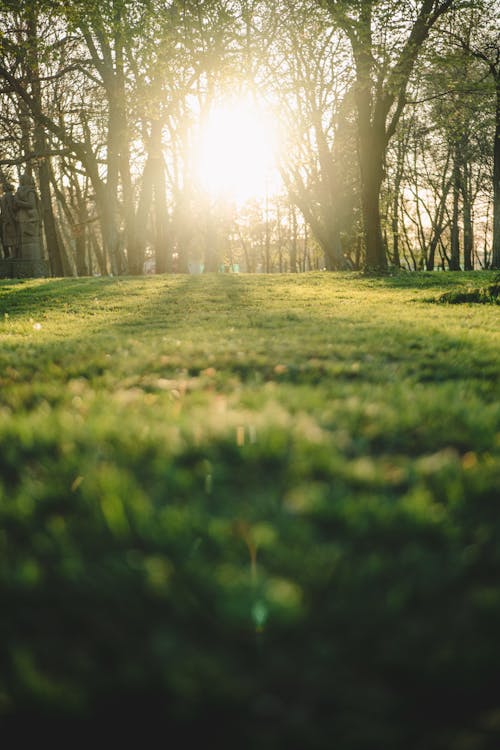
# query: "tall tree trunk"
211 238
122 137
52 238
306 247
293 243
163 250
455 229
371 158
431 257
109 229
55 251
77 228
372 146
329 239
108 191
80 231
398 178
279 238
495 260
396 260
329 211
136 263
467 219
267 245
438 225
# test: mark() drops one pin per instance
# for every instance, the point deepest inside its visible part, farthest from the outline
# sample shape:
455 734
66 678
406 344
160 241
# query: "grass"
483 294
261 507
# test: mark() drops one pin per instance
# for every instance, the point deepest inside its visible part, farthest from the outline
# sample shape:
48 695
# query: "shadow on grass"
485 295
295 345
428 279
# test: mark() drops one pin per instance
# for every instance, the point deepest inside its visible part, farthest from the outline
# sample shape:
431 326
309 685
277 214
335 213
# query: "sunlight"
237 153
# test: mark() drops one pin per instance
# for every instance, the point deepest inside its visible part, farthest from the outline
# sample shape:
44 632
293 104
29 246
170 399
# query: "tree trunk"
80 231
267 246
431 258
279 238
371 160
306 247
123 147
52 240
467 219
371 169
455 229
495 260
293 243
396 260
438 225
211 242
163 251
328 235
136 263
401 149
54 250
109 229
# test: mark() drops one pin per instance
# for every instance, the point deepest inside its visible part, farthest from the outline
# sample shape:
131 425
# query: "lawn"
266 508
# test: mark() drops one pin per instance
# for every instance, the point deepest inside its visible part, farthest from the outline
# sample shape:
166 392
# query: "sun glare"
237 154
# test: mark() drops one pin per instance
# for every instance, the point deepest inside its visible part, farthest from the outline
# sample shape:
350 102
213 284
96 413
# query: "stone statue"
8 222
28 218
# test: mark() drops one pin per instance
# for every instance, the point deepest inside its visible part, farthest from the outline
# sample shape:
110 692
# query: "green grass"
262 507
484 294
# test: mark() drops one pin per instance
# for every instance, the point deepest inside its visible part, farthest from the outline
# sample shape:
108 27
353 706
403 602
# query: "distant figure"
9 232
28 218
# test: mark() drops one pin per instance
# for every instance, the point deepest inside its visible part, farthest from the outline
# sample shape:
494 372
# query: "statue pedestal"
23 268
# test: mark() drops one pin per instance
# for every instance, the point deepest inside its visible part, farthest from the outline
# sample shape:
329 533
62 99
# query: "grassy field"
262 507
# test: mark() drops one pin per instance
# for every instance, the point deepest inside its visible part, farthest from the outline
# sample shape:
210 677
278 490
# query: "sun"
237 158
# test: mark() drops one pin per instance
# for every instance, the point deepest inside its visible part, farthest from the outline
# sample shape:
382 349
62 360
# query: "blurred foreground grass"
264 508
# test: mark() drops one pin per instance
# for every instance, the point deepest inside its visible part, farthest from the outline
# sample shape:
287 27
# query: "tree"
307 78
481 39
451 123
386 39
23 52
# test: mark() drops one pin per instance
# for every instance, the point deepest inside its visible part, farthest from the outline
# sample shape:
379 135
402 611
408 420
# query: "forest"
375 124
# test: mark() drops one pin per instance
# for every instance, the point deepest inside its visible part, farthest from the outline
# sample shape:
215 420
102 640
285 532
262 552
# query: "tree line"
389 114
